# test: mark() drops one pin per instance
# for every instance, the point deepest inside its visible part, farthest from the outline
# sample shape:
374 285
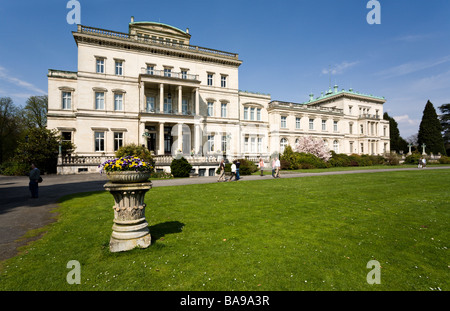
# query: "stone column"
180 137
142 100
197 101
161 139
180 98
161 98
130 229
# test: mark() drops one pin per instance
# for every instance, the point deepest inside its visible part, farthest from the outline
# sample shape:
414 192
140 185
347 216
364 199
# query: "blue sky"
289 48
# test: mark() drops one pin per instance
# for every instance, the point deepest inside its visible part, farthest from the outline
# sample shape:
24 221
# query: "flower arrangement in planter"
126 169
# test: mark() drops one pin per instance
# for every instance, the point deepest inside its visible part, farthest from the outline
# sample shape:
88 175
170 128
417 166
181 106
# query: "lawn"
310 233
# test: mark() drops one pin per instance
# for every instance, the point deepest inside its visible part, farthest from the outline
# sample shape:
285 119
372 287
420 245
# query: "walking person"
273 168
419 165
233 171
277 167
238 164
35 175
261 166
222 171
424 162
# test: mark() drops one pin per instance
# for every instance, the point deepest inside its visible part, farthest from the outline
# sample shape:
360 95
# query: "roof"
159 24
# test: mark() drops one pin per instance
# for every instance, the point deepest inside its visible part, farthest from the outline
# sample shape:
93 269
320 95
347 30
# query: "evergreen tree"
445 122
430 131
397 142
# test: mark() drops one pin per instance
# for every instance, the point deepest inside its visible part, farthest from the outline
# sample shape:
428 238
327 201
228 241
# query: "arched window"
336 146
283 144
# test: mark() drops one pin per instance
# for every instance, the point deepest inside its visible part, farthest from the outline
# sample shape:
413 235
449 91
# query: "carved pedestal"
130 229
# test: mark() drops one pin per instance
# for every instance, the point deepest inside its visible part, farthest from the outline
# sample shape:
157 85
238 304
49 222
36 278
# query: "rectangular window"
246 144
260 144
224 143
183 74
350 128
210 109
297 123
167 105
167 72
210 143
335 126
210 79
99 100
245 113
253 144
184 106
118 140
252 113
223 81
150 106
324 125
66 136
223 110
100 65
99 141
362 148
119 68
150 69
283 122
258 114
118 102
311 124
66 100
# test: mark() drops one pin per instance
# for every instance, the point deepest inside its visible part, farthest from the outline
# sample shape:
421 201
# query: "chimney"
187 30
132 19
311 97
335 88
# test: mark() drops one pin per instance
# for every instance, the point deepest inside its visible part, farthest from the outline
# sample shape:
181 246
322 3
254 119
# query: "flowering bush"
313 146
127 163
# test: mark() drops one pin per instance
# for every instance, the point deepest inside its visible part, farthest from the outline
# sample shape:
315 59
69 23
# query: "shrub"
392 159
308 161
413 158
247 167
339 159
444 160
161 175
136 151
180 167
14 168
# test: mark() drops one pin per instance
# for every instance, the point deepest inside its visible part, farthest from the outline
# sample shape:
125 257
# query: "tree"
315 146
445 123
11 128
41 148
430 131
397 142
35 111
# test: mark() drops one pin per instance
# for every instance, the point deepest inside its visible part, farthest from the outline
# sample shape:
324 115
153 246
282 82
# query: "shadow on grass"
158 231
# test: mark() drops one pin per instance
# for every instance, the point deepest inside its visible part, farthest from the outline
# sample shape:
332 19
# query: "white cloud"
405 119
411 67
4 75
414 38
339 68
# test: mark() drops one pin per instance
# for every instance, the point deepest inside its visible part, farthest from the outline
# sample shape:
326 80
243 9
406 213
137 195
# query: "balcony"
173 112
169 74
369 116
154 42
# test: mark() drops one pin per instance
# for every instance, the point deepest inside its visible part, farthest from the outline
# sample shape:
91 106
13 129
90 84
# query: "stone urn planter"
130 229
127 177
128 183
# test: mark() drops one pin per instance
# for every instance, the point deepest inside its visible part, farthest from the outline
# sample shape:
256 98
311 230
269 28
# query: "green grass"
311 233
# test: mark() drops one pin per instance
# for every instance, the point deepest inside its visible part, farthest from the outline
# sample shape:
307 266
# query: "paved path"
19 213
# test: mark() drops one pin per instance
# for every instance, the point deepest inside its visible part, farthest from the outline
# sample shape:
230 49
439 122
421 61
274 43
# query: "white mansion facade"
152 87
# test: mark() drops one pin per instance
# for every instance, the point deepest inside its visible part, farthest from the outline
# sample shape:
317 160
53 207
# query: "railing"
169 74
85 160
153 41
276 104
168 112
369 116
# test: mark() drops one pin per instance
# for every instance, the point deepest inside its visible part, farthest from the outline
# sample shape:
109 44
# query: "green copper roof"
330 93
161 24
